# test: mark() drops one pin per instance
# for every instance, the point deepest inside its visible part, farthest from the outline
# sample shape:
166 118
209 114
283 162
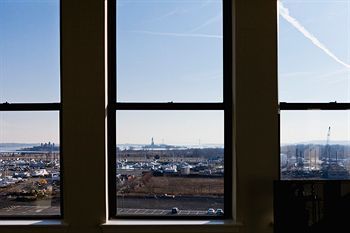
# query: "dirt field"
188 186
30 197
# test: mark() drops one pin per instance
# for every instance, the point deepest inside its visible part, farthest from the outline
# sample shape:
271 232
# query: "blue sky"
169 51
29 68
29 51
313 66
172 51
306 72
29 127
171 127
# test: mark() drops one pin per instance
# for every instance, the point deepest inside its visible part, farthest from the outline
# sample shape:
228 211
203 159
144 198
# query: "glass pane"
29 51
169 51
29 164
314 51
170 163
315 145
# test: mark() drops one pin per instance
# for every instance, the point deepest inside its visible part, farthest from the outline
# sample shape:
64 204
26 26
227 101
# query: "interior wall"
256 112
83 98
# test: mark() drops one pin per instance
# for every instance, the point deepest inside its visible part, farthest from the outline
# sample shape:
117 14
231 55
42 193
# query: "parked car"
175 210
211 211
219 212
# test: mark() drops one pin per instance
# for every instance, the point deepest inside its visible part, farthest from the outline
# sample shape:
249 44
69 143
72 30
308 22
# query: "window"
82 31
170 109
314 89
30 109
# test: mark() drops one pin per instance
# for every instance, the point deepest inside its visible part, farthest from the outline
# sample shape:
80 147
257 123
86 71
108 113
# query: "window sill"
23 226
174 226
31 223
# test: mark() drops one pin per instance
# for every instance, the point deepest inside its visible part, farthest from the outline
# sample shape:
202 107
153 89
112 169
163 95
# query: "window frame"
226 105
300 106
44 107
307 106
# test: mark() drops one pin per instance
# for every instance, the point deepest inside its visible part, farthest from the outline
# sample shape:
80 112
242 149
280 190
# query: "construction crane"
330 167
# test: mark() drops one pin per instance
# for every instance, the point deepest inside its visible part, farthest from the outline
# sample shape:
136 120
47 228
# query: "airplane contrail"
209 21
284 12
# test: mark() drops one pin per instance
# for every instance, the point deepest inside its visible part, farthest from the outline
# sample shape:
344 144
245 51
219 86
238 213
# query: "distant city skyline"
172 127
164 143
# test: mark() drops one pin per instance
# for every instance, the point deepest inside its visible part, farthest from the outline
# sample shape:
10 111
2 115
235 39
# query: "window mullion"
169 106
314 106
30 107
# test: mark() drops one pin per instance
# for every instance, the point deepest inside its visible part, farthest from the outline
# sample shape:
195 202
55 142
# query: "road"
183 203
29 210
159 212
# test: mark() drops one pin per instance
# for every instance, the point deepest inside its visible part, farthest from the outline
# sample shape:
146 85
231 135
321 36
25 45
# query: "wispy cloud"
205 3
334 74
295 74
179 34
284 12
206 23
340 76
164 16
315 75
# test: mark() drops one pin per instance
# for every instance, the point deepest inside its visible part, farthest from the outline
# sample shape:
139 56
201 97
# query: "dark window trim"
169 106
226 106
314 106
26 107
40 107
30 107
112 99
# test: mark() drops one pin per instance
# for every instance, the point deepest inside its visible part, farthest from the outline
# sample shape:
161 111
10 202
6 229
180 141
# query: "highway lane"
159 212
29 210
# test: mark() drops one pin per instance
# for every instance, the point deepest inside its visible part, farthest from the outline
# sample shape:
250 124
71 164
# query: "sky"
29 51
167 51
170 127
29 127
314 66
171 50
29 68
